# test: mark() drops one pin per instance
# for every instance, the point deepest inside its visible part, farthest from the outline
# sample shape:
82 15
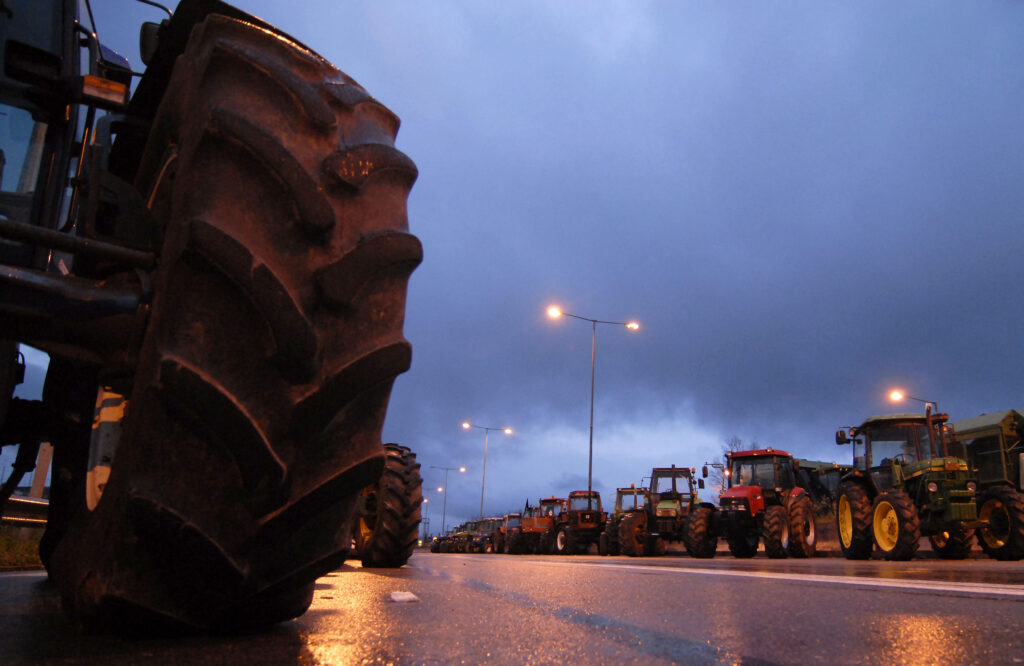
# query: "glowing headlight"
933 487
972 486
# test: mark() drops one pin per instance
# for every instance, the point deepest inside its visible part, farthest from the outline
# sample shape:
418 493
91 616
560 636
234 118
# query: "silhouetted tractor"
762 502
220 259
993 445
628 502
580 524
905 485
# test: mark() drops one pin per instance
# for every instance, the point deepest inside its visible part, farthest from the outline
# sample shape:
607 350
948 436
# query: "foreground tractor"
762 502
220 261
905 485
993 445
630 508
581 524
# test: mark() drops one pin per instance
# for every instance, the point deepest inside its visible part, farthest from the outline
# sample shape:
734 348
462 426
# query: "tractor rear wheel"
699 540
387 523
776 532
602 544
633 533
271 345
802 533
1003 537
853 521
952 544
895 525
561 544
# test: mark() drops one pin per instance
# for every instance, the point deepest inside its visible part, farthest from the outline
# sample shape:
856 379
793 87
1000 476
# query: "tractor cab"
758 477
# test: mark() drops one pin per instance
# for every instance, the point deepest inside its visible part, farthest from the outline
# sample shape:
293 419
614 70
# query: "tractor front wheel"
895 525
698 538
853 521
387 521
1003 537
953 543
802 533
776 532
633 534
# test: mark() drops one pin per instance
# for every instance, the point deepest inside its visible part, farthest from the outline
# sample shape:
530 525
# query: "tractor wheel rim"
845 521
887 527
997 532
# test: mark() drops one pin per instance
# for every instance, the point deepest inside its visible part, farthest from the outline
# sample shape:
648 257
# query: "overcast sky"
803 204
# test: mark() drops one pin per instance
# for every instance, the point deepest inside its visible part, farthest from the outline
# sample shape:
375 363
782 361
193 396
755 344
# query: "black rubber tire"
272 343
499 543
602 544
952 544
633 534
853 521
743 545
655 546
435 546
1004 538
387 523
699 540
803 534
775 532
895 525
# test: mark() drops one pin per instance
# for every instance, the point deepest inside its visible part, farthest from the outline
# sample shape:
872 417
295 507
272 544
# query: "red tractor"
763 501
581 524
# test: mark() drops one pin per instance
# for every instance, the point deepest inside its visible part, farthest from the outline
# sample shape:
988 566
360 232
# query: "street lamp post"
555 312
466 425
931 409
444 489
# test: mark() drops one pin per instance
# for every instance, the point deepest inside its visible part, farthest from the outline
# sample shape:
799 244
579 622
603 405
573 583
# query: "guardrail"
25 511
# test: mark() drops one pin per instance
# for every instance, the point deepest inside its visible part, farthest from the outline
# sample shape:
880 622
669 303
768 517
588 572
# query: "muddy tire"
952 544
602 544
895 525
273 339
699 540
803 535
776 532
1003 538
387 523
633 534
853 522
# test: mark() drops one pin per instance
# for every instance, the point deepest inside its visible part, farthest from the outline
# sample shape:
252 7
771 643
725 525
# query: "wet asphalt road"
590 610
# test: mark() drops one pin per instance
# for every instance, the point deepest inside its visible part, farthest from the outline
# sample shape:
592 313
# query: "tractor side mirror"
704 472
149 40
841 437
700 483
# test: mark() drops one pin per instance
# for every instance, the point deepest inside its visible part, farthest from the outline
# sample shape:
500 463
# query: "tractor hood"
751 496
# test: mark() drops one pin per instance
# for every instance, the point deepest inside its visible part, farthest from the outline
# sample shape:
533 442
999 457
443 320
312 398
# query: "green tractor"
630 501
904 485
993 445
219 257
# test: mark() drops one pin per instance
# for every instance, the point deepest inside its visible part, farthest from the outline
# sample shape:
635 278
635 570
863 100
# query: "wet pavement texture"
532 609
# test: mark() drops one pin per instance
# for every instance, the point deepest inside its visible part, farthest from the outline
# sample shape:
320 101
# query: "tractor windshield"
631 500
903 443
672 482
753 471
21 155
513 521
585 503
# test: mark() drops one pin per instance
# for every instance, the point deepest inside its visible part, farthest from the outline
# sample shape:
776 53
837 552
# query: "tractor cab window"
22 141
897 443
587 503
784 470
753 472
631 501
514 521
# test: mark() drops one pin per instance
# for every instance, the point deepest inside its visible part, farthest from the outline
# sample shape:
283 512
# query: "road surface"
452 608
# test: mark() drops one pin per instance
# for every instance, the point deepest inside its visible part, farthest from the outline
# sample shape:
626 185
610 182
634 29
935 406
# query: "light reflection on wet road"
516 609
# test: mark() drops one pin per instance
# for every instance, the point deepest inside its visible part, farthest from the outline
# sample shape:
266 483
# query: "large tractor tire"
1003 538
633 534
952 544
273 339
699 540
743 545
387 524
803 536
776 532
853 521
565 541
895 525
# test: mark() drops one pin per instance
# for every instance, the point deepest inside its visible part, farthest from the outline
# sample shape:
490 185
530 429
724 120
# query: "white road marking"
985 589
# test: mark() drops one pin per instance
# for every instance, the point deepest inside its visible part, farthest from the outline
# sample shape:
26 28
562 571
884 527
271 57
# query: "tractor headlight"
933 487
972 486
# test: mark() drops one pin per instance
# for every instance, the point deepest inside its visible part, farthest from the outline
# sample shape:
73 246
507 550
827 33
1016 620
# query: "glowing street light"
444 489
555 312
929 405
466 425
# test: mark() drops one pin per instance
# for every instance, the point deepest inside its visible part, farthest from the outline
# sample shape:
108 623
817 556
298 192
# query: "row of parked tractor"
912 476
